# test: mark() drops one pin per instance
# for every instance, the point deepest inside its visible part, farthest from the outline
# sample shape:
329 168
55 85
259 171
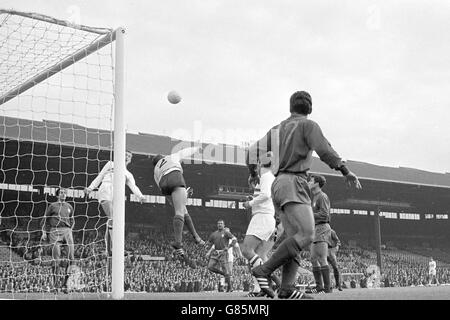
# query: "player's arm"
237 250
44 223
255 153
265 194
96 182
229 235
338 241
251 160
210 242
317 142
252 157
185 153
131 183
208 253
71 218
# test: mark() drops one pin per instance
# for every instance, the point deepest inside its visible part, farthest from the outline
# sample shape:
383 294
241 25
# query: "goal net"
58 96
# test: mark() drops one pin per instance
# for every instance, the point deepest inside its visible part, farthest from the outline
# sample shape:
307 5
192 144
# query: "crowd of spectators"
151 267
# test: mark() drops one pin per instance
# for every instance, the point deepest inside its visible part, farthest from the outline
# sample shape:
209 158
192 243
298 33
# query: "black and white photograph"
224 155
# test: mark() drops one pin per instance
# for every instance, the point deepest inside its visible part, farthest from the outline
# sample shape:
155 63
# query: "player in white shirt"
261 230
168 175
432 271
105 192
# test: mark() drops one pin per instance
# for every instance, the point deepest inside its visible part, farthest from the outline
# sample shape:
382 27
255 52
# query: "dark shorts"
332 244
171 181
332 251
63 235
219 260
323 233
290 188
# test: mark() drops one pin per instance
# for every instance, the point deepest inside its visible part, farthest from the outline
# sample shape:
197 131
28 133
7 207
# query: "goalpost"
61 119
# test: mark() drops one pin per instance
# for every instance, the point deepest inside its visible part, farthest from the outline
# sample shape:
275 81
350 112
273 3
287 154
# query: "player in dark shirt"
58 223
218 256
333 248
319 248
292 143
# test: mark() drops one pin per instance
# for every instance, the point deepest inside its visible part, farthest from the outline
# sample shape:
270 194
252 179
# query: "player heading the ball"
168 175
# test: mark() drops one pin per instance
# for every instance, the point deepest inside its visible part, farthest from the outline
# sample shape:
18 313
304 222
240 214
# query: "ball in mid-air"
173 97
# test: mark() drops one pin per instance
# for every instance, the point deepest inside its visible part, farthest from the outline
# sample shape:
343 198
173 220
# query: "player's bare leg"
321 270
227 276
107 207
212 266
263 250
179 200
255 251
71 258
191 227
188 220
289 270
298 221
249 252
56 255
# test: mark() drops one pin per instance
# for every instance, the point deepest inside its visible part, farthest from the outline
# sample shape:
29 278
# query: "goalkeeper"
57 226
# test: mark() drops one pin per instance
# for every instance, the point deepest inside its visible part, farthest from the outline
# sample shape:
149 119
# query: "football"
173 97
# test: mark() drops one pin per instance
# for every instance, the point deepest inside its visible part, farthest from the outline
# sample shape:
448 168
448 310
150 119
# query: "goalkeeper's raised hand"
352 180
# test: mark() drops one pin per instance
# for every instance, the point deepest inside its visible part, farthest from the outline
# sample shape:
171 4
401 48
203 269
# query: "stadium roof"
47 131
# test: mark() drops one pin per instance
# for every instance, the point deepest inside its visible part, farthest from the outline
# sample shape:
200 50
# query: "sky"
378 71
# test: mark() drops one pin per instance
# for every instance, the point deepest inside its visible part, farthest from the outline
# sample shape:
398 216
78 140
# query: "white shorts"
105 192
432 272
261 226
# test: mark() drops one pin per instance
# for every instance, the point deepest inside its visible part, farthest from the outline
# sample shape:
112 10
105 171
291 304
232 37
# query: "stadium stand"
413 207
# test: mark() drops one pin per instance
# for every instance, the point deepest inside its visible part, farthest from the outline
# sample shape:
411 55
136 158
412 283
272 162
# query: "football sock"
190 225
325 271
318 277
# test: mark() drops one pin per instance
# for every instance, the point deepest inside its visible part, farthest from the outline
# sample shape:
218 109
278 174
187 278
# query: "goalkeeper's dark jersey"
59 215
293 142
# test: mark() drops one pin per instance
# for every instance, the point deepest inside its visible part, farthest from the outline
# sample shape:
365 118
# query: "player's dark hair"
58 190
156 158
301 102
266 164
320 179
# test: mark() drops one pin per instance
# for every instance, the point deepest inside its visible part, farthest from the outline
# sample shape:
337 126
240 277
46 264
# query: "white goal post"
34 49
